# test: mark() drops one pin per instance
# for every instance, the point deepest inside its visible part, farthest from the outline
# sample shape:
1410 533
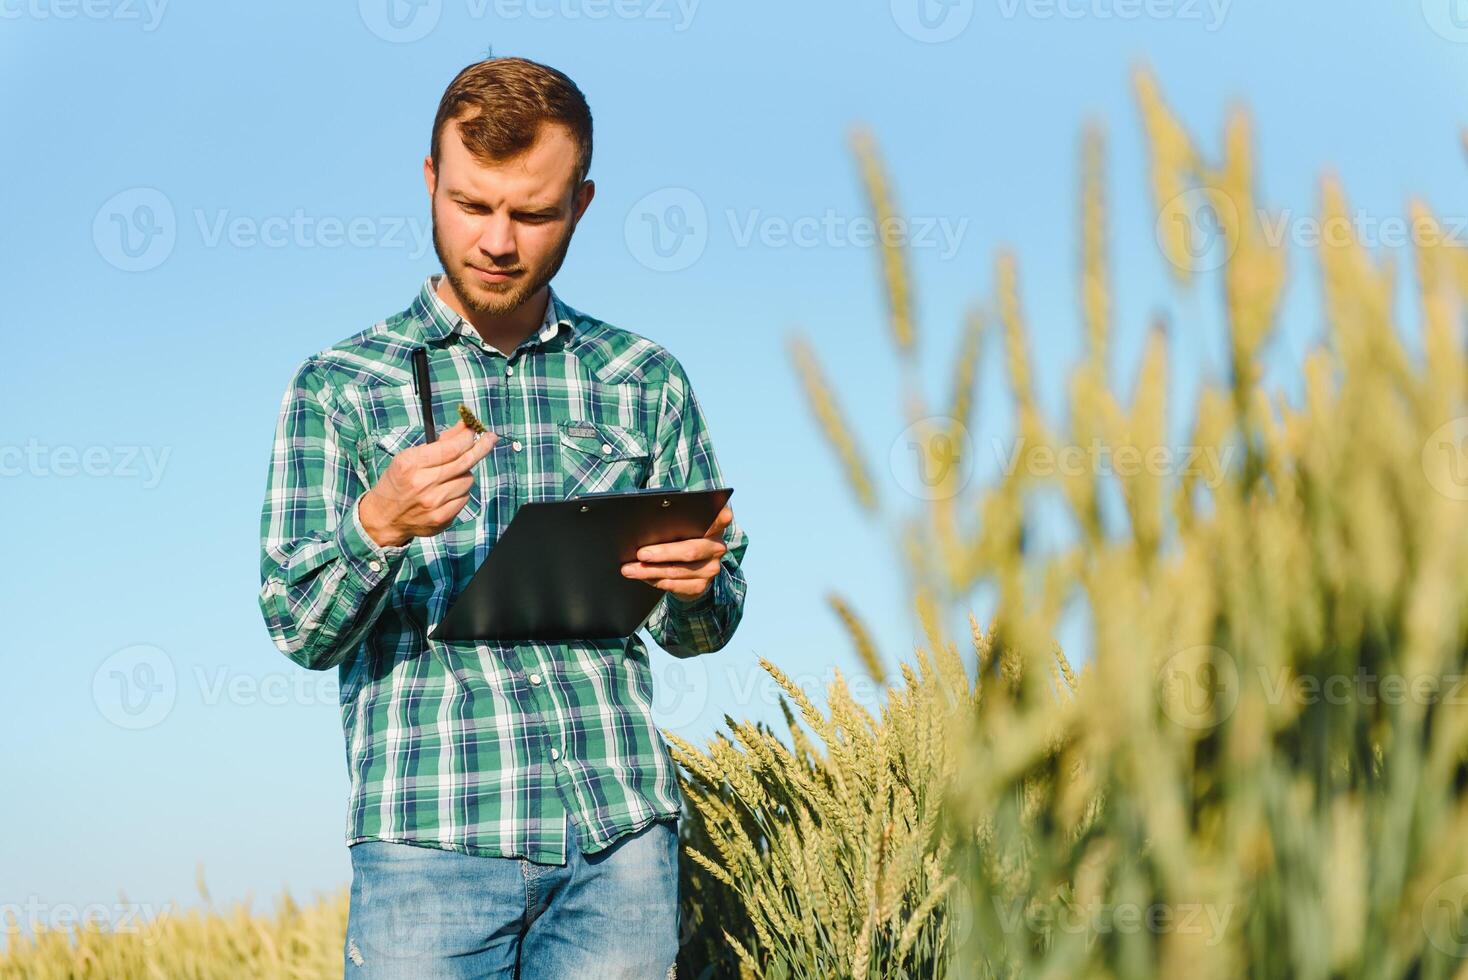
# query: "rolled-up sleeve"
323 580
684 459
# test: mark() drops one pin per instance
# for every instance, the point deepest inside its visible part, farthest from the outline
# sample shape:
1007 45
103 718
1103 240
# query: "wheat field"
1213 790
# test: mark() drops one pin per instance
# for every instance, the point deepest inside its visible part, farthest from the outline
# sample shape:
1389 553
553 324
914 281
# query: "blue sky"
265 161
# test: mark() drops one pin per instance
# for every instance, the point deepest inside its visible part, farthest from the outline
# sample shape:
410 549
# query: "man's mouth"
498 275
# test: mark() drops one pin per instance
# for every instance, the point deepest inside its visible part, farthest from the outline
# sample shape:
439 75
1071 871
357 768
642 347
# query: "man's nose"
498 238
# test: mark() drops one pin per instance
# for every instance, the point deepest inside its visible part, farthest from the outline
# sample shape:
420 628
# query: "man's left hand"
684 568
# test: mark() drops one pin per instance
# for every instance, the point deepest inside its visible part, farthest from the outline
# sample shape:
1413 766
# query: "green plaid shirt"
483 747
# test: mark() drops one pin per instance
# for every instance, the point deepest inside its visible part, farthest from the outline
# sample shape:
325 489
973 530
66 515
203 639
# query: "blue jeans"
422 913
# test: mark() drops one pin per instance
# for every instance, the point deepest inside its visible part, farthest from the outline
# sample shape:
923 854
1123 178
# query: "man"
513 807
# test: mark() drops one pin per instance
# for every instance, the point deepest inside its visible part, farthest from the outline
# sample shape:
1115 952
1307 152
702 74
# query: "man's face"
501 230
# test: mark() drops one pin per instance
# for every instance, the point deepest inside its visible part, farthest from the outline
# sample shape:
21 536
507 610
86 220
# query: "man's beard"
480 298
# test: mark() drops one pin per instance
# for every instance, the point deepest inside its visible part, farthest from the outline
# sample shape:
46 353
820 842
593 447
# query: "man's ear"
582 200
429 177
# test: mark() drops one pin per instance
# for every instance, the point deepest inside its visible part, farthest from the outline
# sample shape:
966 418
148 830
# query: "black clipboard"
555 573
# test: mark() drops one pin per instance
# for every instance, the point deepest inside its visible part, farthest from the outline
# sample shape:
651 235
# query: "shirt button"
509 370
375 565
516 445
555 753
535 678
606 449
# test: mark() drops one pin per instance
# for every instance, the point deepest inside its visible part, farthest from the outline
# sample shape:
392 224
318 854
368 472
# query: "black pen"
424 386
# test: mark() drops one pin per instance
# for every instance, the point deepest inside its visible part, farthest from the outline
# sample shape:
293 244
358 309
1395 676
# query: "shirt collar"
438 321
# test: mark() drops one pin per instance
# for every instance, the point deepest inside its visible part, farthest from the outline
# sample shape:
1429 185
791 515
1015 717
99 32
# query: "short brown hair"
504 101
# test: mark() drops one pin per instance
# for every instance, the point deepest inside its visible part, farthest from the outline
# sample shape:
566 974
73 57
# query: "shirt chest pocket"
598 457
377 449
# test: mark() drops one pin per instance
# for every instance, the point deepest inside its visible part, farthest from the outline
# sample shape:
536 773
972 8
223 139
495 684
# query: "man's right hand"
424 488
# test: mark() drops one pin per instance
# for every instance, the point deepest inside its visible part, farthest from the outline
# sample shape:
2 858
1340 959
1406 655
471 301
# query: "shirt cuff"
369 561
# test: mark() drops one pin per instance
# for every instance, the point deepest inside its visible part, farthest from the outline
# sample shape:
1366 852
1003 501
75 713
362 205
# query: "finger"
668 585
693 549
725 518
474 451
457 487
449 446
681 570
450 508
